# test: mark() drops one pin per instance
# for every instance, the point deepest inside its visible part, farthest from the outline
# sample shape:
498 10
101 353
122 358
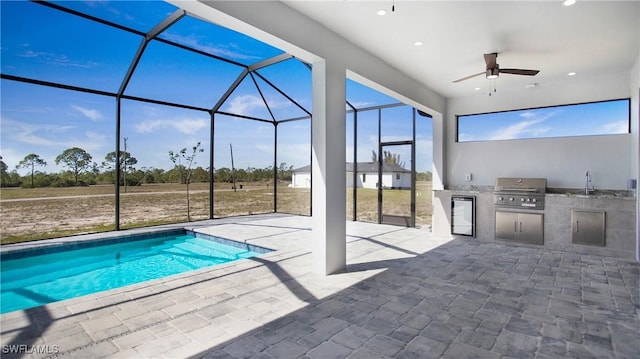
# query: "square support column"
328 166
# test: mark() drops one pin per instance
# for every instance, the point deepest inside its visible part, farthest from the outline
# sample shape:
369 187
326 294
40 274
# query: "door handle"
577 226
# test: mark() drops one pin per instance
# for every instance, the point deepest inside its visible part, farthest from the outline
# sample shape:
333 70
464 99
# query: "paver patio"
405 294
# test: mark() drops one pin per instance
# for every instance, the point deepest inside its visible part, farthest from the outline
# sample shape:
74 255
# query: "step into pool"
40 276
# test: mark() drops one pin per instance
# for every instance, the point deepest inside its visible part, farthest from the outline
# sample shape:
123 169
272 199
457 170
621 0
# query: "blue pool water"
34 280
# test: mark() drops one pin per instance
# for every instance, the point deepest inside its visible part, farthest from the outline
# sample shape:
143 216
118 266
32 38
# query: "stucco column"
328 170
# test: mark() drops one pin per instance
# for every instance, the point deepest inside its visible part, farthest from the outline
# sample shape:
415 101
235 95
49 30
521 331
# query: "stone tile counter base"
620 215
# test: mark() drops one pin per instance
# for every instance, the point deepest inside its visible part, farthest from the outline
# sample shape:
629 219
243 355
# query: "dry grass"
31 214
395 202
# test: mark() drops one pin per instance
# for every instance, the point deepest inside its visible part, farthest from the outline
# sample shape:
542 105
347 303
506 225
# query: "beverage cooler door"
463 215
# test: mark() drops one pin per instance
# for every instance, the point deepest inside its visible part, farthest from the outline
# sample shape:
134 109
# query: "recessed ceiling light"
571 73
418 43
381 12
477 88
568 2
531 85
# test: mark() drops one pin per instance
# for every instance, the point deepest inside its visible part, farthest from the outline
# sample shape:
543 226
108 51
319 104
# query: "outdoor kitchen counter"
619 207
598 193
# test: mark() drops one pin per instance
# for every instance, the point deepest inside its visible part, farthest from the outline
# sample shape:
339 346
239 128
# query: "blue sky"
609 117
78 52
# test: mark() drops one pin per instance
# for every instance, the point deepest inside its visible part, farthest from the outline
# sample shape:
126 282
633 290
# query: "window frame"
627 99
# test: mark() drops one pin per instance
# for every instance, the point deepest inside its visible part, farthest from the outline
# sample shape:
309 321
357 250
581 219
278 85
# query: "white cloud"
222 50
359 104
56 59
92 114
395 138
11 157
97 140
294 154
516 130
245 104
275 104
524 128
48 141
27 134
250 105
185 125
529 115
616 127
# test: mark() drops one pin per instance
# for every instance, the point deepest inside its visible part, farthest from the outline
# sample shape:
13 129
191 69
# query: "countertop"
557 192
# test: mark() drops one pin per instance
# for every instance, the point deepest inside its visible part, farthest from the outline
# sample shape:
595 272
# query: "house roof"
363 167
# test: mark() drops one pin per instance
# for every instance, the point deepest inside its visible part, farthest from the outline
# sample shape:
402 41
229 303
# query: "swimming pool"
39 276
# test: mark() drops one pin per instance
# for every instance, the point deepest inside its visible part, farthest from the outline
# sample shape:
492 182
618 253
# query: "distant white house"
393 176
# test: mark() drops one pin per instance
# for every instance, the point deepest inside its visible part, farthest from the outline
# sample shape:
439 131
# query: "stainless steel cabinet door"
530 228
588 227
520 227
506 225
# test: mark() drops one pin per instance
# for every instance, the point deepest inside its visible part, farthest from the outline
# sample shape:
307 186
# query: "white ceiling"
589 38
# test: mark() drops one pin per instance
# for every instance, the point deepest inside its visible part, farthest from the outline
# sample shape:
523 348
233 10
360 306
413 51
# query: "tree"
285 172
222 174
185 170
388 158
31 161
4 175
126 164
77 159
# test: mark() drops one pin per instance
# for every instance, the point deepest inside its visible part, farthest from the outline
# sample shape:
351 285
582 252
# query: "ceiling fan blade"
519 72
490 60
470 76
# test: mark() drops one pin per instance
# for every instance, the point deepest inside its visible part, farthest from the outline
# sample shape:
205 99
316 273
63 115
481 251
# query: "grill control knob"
511 199
521 199
534 200
500 198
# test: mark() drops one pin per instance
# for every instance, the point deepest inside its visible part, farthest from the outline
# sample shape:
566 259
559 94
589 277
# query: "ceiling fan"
493 69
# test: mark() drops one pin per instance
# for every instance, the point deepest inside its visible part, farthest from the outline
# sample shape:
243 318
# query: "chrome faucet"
588 188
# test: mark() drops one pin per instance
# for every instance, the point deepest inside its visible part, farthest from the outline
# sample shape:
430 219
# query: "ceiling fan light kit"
493 73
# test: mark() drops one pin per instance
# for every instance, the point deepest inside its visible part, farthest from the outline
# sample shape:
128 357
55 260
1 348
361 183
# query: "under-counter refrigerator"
463 215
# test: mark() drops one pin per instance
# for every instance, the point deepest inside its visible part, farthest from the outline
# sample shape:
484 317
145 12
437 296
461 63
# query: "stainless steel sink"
571 192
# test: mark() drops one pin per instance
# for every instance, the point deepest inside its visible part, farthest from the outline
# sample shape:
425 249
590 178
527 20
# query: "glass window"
585 119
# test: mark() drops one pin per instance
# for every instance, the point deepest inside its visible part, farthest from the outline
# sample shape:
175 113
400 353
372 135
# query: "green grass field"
31 214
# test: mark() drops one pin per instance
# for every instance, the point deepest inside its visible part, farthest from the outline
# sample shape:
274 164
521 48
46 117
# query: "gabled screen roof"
153 51
138 15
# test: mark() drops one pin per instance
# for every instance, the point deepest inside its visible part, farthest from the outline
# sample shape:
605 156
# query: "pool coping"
55 245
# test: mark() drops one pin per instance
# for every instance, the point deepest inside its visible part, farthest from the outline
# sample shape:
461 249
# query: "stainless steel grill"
524 193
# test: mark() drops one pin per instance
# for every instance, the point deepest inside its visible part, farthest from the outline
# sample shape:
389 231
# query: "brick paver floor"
404 294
